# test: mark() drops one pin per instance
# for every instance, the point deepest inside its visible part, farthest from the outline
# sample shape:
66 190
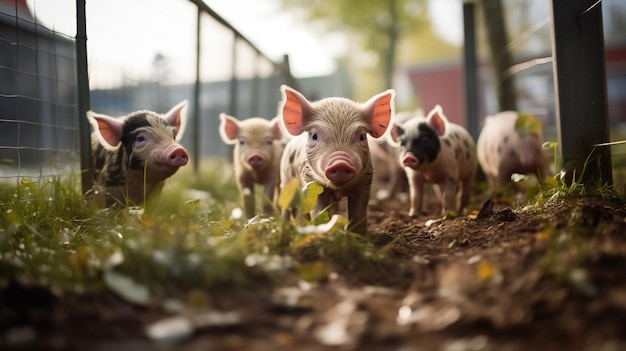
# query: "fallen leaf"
485 271
170 329
431 222
518 178
336 220
212 318
126 287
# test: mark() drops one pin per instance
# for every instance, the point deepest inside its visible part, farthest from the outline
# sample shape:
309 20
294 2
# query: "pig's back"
496 129
108 170
292 159
463 148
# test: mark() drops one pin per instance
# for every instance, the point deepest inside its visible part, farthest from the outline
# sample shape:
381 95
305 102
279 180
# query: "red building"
442 83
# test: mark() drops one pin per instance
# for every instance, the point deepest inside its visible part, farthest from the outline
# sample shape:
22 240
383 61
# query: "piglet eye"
362 137
314 136
140 139
242 142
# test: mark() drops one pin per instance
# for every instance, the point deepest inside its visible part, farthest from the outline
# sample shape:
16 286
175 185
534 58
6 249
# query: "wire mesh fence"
143 54
37 91
140 55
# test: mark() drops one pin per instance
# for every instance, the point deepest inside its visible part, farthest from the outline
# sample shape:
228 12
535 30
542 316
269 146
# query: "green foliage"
293 197
369 19
190 242
560 186
374 26
527 124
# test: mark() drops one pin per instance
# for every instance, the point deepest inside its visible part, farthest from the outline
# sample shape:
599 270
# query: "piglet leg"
269 190
416 192
357 211
246 188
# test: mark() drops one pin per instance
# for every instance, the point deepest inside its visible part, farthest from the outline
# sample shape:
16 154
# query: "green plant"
190 242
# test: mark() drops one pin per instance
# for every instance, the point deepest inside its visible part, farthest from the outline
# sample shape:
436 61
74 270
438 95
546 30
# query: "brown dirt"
545 279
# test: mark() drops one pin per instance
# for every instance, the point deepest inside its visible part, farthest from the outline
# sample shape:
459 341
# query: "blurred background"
233 55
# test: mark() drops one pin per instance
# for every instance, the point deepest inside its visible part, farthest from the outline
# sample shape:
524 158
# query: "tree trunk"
393 35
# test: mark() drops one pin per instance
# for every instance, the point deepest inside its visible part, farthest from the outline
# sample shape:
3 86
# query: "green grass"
188 243
187 246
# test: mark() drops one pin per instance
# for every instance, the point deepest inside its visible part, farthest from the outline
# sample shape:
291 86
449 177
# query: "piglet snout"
339 170
410 161
177 157
256 160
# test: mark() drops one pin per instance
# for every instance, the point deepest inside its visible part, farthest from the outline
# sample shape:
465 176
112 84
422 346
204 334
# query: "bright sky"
277 32
122 45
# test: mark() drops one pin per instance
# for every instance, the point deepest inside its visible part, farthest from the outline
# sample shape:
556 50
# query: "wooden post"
470 68
580 90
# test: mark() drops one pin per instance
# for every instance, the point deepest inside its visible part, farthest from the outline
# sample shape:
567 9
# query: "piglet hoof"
412 212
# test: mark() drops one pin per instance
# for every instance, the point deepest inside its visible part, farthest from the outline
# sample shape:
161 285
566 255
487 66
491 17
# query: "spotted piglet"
506 145
256 157
436 151
133 155
331 148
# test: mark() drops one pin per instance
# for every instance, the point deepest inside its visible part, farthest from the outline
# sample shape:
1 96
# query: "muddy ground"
544 278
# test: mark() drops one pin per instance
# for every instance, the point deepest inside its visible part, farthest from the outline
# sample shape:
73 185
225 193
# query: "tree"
377 25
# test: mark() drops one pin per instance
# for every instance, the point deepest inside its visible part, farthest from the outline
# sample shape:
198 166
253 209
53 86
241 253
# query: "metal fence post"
232 106
470 67
256 95
285 71
501 56
580 90
82 82
195 134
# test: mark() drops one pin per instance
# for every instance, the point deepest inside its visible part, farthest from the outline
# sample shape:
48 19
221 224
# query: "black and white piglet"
436 151
132 155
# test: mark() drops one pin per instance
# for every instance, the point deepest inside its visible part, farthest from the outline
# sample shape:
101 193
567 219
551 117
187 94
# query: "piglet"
133 155
389 176
504 149
436 151
257 155
331 148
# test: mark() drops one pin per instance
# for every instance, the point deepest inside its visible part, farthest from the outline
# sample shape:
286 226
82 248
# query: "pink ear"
177 117
108 129
229 128
278 134
437 120
395 130
379 110
295 109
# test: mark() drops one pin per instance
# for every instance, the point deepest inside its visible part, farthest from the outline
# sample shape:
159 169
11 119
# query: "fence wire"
141 54
38 133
